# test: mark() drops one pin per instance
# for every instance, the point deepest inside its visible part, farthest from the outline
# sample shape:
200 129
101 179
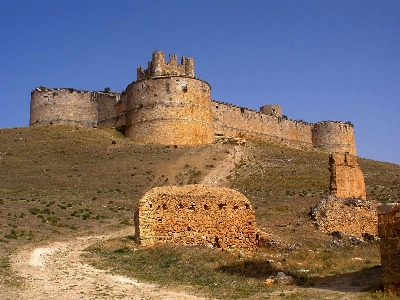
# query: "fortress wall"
389 233
334 137
111 109
238 121
195 214
169 110
62 106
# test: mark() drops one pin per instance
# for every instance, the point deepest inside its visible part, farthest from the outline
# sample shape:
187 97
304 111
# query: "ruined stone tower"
168 105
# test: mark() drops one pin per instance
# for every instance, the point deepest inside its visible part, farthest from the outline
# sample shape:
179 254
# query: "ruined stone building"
168 105
196 215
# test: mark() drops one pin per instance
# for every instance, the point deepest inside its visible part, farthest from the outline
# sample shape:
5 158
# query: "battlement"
168 105
159 67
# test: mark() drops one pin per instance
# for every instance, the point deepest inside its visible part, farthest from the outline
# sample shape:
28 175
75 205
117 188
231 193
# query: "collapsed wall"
389 233
195 214
348 216
347 179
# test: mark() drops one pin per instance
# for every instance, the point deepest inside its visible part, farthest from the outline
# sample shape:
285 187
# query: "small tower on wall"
168 105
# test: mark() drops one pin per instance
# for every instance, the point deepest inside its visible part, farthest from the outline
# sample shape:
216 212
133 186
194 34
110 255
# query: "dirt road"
56 271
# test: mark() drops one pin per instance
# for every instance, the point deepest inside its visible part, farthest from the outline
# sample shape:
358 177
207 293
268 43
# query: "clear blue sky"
320 60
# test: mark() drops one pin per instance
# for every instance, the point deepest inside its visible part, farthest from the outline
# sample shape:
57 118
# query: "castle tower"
62 106
334 136
168 105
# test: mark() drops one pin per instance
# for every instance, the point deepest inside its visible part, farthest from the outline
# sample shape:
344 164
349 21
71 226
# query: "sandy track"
217 177
56 271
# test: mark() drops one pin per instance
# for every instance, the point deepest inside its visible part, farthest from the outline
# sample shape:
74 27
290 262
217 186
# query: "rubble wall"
348 216
389 233
196 214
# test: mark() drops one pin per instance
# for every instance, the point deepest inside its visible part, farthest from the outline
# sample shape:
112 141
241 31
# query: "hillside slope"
61 181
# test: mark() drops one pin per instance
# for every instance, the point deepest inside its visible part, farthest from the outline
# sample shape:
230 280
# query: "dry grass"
59 181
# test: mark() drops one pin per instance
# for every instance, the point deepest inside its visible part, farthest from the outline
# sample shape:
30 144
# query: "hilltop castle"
168 105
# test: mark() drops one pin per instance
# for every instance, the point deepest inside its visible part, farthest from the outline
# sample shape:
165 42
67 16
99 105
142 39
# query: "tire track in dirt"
56 271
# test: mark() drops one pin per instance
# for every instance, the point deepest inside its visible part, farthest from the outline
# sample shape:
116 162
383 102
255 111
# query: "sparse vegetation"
52 187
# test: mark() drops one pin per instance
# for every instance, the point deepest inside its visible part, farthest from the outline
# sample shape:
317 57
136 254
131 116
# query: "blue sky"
320 60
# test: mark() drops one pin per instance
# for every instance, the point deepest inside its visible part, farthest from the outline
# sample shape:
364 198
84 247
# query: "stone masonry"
168 105
196 214
347 179
389 233
353 217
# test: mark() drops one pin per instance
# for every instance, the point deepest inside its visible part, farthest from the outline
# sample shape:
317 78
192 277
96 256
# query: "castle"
168 105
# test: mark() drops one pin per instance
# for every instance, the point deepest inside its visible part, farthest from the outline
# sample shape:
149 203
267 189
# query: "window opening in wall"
188 228
206 207
180 205
221 205
247 206
150 205
216 106
159 220
164 206
242 110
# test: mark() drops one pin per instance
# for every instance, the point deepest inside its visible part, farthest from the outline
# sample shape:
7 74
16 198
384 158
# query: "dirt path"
55 271
217 177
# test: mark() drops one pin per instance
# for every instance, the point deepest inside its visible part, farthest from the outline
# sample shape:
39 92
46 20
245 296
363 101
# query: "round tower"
171 108
67 106
334 136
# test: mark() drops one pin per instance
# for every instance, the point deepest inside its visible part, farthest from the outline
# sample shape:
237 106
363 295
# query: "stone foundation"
196 214
389 232
348 216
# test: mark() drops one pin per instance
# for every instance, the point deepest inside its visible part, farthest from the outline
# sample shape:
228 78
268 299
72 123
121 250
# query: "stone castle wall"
238 121
196 214
389 233
66 106
347 179
169 110
334 137
168 105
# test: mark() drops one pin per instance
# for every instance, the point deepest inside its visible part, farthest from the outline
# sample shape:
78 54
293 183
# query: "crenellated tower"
168 105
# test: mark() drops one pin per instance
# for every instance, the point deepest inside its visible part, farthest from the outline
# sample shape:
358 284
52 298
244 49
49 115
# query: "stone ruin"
349 216
347 179
389 233
196 215
346 210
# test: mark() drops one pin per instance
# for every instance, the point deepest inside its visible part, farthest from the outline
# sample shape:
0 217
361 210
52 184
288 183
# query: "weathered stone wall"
389 233
334 136
168 105
159 67
347 179
196 214
271 110
169 110
238 121
348 216
63 106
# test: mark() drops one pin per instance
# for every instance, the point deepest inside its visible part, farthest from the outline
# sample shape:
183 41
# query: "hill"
57 182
